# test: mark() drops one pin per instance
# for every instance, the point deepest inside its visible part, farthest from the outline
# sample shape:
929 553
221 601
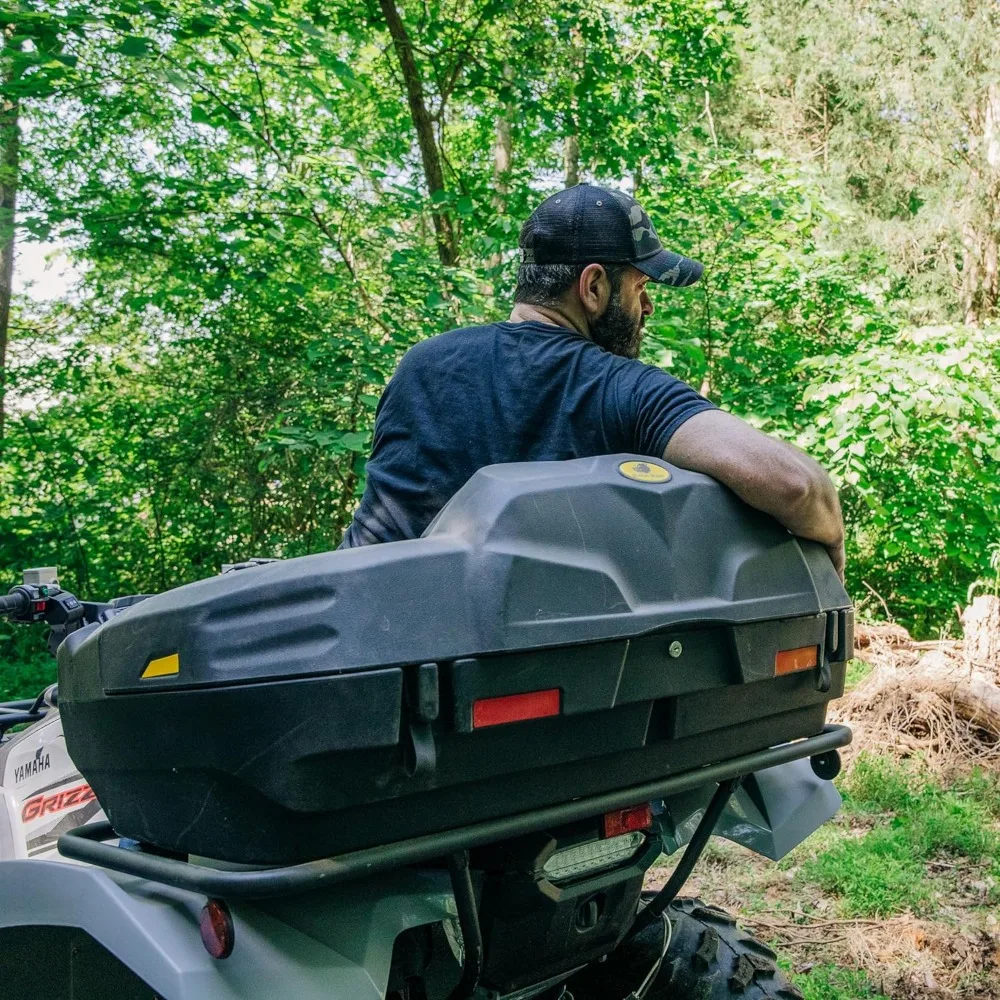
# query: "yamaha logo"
30 768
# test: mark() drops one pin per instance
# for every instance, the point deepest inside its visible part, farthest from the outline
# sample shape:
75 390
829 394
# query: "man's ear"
594 288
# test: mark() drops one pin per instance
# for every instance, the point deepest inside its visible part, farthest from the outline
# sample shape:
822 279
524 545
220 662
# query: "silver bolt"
675 649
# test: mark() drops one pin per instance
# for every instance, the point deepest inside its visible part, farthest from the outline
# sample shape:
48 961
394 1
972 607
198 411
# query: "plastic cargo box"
562 629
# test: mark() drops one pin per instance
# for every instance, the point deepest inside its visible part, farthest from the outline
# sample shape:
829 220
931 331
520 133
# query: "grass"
857 671
881 785
830 982
884 871
912 858
874 876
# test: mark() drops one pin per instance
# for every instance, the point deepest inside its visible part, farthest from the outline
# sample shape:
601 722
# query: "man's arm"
768 474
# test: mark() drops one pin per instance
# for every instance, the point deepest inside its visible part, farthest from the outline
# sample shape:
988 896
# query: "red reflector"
790 660
217 931
620 821
515 708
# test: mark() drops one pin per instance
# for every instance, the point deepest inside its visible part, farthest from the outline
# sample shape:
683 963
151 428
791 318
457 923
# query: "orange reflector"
515 708
620 821
790 660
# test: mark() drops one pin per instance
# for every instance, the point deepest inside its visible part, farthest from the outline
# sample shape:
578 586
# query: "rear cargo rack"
85 842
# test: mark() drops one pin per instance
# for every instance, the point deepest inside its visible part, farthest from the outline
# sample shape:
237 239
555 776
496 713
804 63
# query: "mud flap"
773 811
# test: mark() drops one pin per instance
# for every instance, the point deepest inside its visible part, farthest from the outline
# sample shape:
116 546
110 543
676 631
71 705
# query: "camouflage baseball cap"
594 225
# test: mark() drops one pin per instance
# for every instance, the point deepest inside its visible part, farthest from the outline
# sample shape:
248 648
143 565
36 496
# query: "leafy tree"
912 430
898 104
268 203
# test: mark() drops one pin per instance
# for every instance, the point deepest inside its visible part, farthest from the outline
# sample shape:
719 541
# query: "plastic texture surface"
328 703
333 945
525 555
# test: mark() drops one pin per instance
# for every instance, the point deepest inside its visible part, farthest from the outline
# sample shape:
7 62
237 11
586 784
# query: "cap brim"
670 268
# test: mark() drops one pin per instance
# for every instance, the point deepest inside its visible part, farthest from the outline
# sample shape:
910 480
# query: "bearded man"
561 379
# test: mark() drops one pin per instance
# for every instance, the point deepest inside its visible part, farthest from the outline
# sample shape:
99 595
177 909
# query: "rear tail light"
788 661
620 821
515 708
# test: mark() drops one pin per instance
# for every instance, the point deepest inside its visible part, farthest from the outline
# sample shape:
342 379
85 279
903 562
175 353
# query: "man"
560 379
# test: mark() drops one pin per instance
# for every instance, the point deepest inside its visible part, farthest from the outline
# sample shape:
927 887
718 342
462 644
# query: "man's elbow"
810 500
798 488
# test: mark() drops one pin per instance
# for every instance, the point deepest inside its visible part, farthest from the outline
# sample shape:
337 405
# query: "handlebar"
14 604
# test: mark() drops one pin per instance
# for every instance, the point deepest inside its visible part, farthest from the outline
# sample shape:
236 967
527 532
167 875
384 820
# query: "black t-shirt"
506 392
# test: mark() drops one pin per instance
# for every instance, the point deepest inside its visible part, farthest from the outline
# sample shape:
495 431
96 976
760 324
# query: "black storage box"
562 629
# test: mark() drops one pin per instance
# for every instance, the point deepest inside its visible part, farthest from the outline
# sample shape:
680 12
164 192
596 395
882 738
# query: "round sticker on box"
644 472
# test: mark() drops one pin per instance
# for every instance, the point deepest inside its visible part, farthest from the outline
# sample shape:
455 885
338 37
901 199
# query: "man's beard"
616 331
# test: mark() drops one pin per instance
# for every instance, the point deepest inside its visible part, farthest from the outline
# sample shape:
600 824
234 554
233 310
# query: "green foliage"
245 198
911 428
894 104
26 668
241 190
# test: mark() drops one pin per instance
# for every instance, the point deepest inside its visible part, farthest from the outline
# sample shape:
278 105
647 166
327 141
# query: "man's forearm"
766 473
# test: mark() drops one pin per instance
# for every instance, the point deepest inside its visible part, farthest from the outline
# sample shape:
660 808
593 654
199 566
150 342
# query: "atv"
435 769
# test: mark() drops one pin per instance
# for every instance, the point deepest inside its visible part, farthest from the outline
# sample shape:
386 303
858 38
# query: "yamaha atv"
435 769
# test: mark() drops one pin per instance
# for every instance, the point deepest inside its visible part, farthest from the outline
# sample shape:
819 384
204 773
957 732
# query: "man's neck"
553 315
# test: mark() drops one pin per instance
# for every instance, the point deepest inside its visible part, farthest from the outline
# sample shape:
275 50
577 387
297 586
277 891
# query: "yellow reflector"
163 667
790 660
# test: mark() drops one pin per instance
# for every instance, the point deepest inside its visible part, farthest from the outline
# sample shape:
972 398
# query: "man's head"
591 251
611 297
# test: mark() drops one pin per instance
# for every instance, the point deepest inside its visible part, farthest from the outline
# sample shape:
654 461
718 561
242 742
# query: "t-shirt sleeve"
658 404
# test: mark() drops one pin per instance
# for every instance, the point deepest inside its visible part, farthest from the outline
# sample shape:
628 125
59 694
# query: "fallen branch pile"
941 698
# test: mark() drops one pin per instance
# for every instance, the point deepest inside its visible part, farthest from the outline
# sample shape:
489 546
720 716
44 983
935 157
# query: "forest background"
266 204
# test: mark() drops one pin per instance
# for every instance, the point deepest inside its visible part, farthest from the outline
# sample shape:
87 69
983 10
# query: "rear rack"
85 842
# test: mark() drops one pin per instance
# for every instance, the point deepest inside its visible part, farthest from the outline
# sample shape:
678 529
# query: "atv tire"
709 958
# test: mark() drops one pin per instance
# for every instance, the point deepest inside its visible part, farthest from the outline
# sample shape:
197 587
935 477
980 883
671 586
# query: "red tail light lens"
620 821
515 708
218 934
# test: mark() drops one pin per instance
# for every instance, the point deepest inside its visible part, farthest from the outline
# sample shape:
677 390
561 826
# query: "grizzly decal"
43 805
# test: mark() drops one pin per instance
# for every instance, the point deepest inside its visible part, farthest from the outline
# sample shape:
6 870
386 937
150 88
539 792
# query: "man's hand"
766 473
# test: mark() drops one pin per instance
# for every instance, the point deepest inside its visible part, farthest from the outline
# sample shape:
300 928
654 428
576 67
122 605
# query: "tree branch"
426 140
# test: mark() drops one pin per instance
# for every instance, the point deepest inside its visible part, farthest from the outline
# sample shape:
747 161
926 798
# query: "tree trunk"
906 698
10 141
429 154
571 143
502 154
981 229
502 151
981 625
638 179
571 160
